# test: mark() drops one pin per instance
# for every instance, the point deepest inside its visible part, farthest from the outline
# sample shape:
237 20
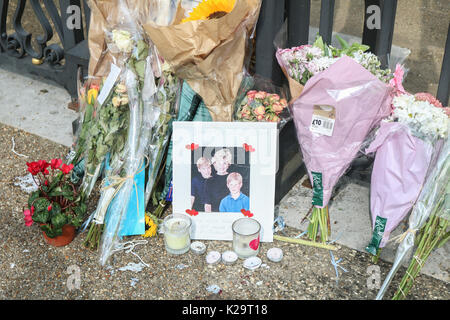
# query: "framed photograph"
223 171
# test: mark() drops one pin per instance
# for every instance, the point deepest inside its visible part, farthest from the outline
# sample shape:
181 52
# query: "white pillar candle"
177 233
246 237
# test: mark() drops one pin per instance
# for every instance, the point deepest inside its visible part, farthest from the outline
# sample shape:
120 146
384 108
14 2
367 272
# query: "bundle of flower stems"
433 235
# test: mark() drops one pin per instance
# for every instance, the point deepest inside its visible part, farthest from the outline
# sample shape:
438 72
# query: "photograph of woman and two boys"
220 179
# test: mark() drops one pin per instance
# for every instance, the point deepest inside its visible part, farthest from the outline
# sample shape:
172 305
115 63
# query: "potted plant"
56 205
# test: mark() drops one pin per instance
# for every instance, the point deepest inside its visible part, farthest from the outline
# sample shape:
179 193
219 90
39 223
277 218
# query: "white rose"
122 40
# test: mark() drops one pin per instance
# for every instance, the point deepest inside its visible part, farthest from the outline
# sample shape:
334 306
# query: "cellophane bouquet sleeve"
337 109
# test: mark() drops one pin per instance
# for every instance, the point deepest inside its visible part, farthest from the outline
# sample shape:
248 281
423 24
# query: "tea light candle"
177 233
198 247
252 263
213 257
229 257
275 254
246 237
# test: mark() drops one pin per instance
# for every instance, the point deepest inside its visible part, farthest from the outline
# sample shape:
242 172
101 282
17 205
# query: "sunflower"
210 9
150 227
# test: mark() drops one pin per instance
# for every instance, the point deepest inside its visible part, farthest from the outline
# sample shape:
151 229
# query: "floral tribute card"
224 171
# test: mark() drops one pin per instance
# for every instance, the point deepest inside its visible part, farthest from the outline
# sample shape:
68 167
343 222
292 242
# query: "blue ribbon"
334 262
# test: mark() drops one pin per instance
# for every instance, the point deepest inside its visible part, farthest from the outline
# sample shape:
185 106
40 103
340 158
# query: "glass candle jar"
177 237
246 237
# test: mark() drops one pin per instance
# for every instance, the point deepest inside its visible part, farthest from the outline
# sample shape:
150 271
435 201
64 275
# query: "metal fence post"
383 49
444 80
298 12
326 20
270 20
370 35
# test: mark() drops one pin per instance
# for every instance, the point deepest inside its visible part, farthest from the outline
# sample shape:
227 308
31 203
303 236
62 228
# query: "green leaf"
56 209
59 220
142 49
140 68
342 42
88 113
67 192
33 196
51 232
41 216
41 204
319 42
55 192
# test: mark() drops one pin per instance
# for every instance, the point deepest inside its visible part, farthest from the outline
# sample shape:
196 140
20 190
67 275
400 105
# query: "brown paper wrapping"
295 87
104 14
209 54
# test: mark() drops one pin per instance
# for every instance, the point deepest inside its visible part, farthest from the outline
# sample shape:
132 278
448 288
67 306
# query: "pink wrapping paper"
360 101
399 171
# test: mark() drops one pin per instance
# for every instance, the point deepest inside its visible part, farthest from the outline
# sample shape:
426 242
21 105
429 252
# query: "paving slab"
351 223
36 106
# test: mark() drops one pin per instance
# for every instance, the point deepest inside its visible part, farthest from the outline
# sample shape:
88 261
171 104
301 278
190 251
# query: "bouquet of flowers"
199 47
261 106
338 97
109 130
404 145
301 63
56 203
165 104
429 218
117 129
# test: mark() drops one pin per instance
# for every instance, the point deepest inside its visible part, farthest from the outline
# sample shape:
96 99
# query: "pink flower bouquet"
335 112
261 106
404 146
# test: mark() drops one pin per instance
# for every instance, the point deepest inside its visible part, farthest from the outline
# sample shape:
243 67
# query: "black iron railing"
30 53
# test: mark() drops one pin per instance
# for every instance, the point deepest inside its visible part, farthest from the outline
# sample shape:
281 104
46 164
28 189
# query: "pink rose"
274 97
251 94
260 95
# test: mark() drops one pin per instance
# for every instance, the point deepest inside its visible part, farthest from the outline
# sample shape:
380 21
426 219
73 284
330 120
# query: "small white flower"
421 116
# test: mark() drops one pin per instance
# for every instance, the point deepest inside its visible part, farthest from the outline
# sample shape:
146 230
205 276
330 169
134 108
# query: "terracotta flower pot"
68 234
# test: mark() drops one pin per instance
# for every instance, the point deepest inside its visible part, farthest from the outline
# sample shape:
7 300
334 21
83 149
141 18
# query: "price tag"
323 120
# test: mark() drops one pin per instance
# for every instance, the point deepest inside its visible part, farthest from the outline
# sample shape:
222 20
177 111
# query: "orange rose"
277 107
259 111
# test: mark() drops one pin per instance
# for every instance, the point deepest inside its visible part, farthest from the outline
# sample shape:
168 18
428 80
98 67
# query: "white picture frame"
254 148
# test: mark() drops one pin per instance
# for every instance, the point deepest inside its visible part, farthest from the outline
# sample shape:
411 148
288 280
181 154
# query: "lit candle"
246 237
177 233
